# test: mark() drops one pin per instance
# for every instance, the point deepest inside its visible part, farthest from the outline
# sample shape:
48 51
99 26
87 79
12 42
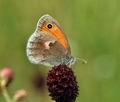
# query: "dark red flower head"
62 84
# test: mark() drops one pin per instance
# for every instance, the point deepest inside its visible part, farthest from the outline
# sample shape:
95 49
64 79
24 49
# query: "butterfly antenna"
82 60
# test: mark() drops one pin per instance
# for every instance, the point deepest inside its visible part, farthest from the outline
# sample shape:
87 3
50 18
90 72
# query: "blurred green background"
93 30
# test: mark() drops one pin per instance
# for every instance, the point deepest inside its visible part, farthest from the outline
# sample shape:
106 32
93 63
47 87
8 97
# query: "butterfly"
48 44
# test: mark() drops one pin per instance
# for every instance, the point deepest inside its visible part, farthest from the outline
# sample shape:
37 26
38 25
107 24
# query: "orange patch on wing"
56 32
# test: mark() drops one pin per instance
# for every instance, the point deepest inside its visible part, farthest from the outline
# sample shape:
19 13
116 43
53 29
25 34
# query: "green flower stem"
6 95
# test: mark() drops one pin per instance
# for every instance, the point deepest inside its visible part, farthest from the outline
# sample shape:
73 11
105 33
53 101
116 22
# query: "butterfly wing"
42 48
48 44
56 30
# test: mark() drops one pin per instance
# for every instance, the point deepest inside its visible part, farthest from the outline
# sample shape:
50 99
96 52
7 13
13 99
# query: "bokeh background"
93 30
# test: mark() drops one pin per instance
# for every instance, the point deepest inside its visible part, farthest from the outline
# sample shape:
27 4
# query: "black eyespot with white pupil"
49 26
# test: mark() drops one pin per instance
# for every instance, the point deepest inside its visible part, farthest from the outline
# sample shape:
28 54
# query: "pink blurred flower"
20 94
6 75
6 72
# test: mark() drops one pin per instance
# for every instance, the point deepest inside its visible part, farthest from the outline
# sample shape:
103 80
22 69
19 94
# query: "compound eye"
49 26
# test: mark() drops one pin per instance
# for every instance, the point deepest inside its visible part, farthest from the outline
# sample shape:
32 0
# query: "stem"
5 94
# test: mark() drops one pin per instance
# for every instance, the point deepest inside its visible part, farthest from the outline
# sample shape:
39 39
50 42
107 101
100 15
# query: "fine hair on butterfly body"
48 45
